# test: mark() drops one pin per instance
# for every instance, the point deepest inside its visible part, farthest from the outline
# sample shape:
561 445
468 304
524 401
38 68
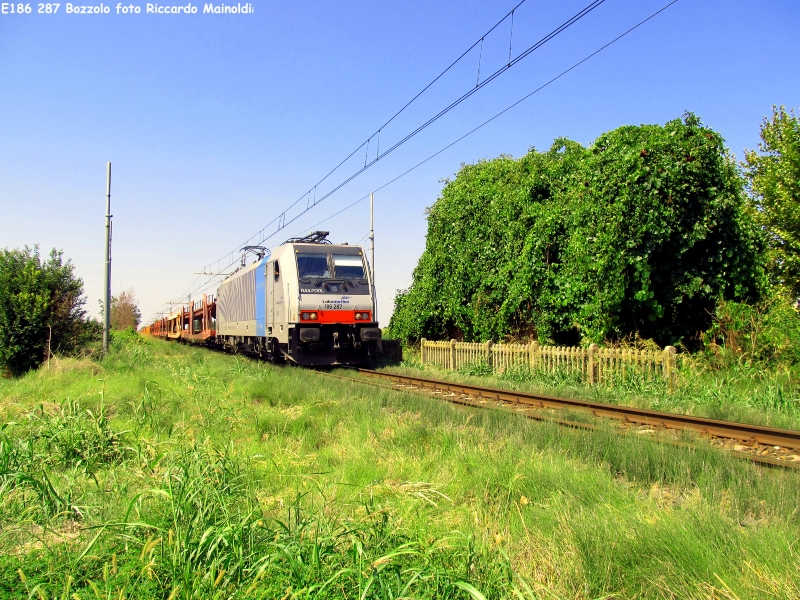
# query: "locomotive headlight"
358 316
313 316
362 316
308 316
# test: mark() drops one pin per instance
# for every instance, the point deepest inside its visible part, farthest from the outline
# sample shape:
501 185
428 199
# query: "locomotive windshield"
313 265
348 266
323 273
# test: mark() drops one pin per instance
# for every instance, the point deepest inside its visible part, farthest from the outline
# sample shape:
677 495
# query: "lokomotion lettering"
228 9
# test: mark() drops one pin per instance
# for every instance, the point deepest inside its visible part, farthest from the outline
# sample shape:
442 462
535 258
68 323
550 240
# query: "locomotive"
309 302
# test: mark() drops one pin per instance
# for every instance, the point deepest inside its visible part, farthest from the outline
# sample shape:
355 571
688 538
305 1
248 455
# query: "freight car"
194 323
310 302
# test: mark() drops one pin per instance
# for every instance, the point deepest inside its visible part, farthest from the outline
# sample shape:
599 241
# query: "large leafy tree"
640 233
41 303
774 177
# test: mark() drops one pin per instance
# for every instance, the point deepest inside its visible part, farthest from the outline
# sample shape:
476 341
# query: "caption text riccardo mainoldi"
54 8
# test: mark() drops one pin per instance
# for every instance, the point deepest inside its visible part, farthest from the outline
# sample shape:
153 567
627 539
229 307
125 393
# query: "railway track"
762 445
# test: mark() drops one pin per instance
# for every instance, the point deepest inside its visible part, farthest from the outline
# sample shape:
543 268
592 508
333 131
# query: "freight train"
309 302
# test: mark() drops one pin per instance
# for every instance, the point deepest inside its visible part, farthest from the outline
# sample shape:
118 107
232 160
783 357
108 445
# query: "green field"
172 472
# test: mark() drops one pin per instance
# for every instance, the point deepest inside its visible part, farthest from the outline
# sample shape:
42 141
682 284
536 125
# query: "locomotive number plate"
332 305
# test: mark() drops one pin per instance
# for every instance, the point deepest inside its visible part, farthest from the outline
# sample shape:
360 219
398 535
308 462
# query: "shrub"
41 309
125 311
767 331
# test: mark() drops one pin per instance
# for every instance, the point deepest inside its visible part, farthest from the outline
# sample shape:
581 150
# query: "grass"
172 472
738 393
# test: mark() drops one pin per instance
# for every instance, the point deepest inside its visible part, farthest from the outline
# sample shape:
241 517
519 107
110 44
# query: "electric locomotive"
310 302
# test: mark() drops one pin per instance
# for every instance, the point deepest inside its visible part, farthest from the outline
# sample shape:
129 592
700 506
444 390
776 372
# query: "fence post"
592 364
534 352
422 351
452 355
489 360
669 365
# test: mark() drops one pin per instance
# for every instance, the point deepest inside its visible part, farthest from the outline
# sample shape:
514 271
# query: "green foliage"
126 339
774 177
39 301
766 332
640 233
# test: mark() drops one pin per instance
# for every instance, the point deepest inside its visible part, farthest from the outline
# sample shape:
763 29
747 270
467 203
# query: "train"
309 302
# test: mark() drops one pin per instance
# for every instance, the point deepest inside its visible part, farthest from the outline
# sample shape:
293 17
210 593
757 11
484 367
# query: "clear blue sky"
215 123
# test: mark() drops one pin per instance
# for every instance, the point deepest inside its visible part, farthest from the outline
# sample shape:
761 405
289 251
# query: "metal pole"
372 255
107 286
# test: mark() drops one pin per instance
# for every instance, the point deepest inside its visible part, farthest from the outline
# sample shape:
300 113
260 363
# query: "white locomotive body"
310 302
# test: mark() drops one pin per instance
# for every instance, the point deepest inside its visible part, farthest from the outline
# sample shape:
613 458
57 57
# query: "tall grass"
188 474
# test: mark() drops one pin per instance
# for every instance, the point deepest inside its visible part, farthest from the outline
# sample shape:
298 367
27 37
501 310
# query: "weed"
479 369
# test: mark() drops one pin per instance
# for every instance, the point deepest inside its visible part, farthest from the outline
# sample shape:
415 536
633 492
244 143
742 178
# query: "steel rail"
527 410
750 434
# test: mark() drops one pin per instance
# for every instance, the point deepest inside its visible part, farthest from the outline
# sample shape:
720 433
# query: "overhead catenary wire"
390 120
499 114
574 19
281 218
459 139
379 155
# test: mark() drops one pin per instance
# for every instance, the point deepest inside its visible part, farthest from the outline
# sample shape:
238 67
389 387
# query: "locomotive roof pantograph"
259 251
315 237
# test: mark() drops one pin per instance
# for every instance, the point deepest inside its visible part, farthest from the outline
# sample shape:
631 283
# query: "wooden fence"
593 364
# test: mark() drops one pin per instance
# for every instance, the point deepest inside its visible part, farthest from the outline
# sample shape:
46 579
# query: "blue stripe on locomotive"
261 298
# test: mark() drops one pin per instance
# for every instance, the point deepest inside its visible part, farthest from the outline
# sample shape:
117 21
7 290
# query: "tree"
640 233
125 311
774 185
41 309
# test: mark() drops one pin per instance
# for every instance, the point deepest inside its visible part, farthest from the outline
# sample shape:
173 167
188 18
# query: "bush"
41 309
125 311
639 234
767 331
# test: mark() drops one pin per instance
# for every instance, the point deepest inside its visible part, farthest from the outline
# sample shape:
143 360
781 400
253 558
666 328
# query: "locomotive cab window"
348 265
313 265
277 270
